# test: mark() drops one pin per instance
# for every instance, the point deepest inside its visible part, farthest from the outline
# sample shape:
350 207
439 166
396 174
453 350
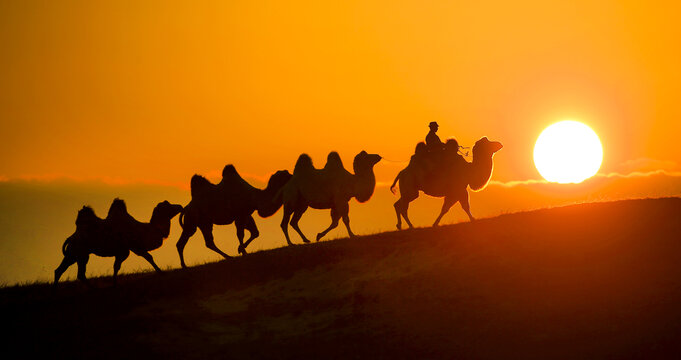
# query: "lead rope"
394 161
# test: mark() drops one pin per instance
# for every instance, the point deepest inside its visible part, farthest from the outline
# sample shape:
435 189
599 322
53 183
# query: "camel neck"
266 203
481 171
365 183
162 225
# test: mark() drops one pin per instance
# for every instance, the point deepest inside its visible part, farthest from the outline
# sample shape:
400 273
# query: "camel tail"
392 187
65 245
182 218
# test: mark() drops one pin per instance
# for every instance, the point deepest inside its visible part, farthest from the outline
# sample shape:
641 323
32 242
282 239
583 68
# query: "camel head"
162 214
165 211
278 180
485 148
365 162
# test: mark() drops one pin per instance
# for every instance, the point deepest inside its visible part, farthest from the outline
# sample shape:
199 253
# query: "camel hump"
333 162
229 171
231 177
117 209
200 185
232 182
304 163
85 216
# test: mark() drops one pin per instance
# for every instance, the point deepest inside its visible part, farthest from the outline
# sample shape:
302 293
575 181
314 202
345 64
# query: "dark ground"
589 281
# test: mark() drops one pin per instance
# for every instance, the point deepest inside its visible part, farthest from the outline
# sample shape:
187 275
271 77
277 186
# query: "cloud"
635 174
648 165
517 182
643 174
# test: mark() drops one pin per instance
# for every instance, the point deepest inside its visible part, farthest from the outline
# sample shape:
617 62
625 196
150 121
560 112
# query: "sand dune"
598 280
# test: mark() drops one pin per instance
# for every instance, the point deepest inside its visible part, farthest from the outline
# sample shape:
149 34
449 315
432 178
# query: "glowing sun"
568 152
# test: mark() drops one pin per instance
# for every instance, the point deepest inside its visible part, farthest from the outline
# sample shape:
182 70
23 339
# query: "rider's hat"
433 123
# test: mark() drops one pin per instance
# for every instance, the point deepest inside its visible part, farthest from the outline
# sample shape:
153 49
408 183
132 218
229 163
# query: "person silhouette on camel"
433 142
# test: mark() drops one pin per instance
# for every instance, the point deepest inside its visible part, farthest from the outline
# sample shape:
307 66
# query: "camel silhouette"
116 236
233 200
450 179
329 188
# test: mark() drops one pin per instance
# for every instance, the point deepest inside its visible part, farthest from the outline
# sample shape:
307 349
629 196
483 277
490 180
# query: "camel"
451 180
329 188
233 200
116 235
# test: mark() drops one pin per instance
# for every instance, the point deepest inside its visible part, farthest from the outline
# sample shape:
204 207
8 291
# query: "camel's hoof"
290 243
306 241
398 226
319 236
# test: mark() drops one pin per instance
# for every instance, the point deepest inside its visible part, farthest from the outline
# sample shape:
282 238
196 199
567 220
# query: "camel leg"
294 222
207 231
408 193
240 232
446 205
149 259
405 214
249 225
82 264
68 261
117 264
402 208
396 205
335 218
404 211
285 221
465 205
345 214
188 230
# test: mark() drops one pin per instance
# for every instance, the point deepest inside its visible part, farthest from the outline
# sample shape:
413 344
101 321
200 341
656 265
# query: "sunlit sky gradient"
123 98
157 91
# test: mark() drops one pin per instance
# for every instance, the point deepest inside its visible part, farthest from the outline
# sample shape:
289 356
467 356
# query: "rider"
433 141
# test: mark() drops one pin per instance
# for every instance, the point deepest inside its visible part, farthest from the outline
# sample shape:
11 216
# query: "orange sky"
157 91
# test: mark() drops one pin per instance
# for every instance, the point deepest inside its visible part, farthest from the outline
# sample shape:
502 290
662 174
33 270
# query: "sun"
568 152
